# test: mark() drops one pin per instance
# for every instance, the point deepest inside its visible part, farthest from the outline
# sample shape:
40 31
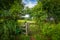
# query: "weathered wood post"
27 28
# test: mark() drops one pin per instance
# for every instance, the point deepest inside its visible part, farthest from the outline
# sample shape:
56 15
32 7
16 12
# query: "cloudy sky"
29 3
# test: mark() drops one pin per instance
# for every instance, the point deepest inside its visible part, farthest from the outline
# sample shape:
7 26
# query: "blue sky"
29 3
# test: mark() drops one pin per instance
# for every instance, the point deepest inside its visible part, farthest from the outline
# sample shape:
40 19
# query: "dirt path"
32 38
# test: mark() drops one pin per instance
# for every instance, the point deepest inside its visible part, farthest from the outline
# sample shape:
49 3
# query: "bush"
24 37
51 31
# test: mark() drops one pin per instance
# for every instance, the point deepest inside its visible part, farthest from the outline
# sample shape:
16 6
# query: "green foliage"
39 13
9 10
6 4
51 31
16 7
7 30
52 7
48 31
43 10
24 37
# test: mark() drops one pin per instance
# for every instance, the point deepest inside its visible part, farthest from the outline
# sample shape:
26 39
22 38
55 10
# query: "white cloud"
29 4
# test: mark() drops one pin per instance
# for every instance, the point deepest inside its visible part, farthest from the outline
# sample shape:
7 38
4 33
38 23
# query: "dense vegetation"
46 15
9 11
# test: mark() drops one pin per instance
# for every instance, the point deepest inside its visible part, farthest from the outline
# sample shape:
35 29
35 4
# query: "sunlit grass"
25 21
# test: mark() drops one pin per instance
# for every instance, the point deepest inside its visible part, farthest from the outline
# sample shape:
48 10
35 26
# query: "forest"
41 22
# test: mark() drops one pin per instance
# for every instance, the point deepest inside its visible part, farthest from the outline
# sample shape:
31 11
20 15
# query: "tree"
39 13
52 7
9 11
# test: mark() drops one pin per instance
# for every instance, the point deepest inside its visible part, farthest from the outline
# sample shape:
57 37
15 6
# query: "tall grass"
47 31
